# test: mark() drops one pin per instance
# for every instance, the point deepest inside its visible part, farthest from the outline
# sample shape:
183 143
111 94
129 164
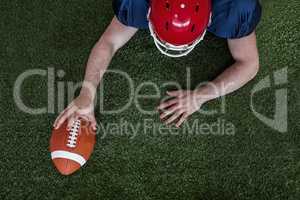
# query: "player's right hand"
78 108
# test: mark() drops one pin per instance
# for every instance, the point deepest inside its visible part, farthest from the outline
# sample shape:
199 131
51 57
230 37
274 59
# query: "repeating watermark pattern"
57 89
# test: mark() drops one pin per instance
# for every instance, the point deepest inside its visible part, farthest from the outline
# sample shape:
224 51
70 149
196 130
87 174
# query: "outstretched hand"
183 104
78 108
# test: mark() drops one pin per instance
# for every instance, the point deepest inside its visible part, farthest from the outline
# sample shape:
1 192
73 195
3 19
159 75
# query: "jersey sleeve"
132 12
234 18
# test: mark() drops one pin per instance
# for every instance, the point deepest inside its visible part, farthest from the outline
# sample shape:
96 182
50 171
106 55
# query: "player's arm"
114 37
245 53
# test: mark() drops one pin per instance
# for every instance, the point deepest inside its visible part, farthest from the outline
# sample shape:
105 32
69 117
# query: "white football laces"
73 134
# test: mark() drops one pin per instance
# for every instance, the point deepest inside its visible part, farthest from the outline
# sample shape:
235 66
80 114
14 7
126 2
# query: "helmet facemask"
173 50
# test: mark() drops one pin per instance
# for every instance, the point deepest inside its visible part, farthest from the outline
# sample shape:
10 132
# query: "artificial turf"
256 162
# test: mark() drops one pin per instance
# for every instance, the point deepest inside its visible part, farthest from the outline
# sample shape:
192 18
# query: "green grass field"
257 162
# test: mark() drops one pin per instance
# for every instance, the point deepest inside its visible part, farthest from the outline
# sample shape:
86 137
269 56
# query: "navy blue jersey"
230 18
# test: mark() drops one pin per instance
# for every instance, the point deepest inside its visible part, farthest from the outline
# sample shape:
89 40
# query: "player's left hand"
183 104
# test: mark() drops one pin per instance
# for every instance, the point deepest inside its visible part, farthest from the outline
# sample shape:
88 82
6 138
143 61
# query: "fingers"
93 123
174 117
59 116
183 104
167 104
181 120
64 116
78 108
169 111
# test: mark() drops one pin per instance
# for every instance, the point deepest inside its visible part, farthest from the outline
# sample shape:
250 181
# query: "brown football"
70 149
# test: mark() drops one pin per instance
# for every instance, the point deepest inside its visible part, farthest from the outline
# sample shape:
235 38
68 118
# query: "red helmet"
177 26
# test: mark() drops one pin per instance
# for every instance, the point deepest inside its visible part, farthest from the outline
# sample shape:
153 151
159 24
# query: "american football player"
176 26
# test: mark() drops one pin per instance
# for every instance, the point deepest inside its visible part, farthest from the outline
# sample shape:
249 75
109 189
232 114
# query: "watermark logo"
275 81
58 90
220 127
